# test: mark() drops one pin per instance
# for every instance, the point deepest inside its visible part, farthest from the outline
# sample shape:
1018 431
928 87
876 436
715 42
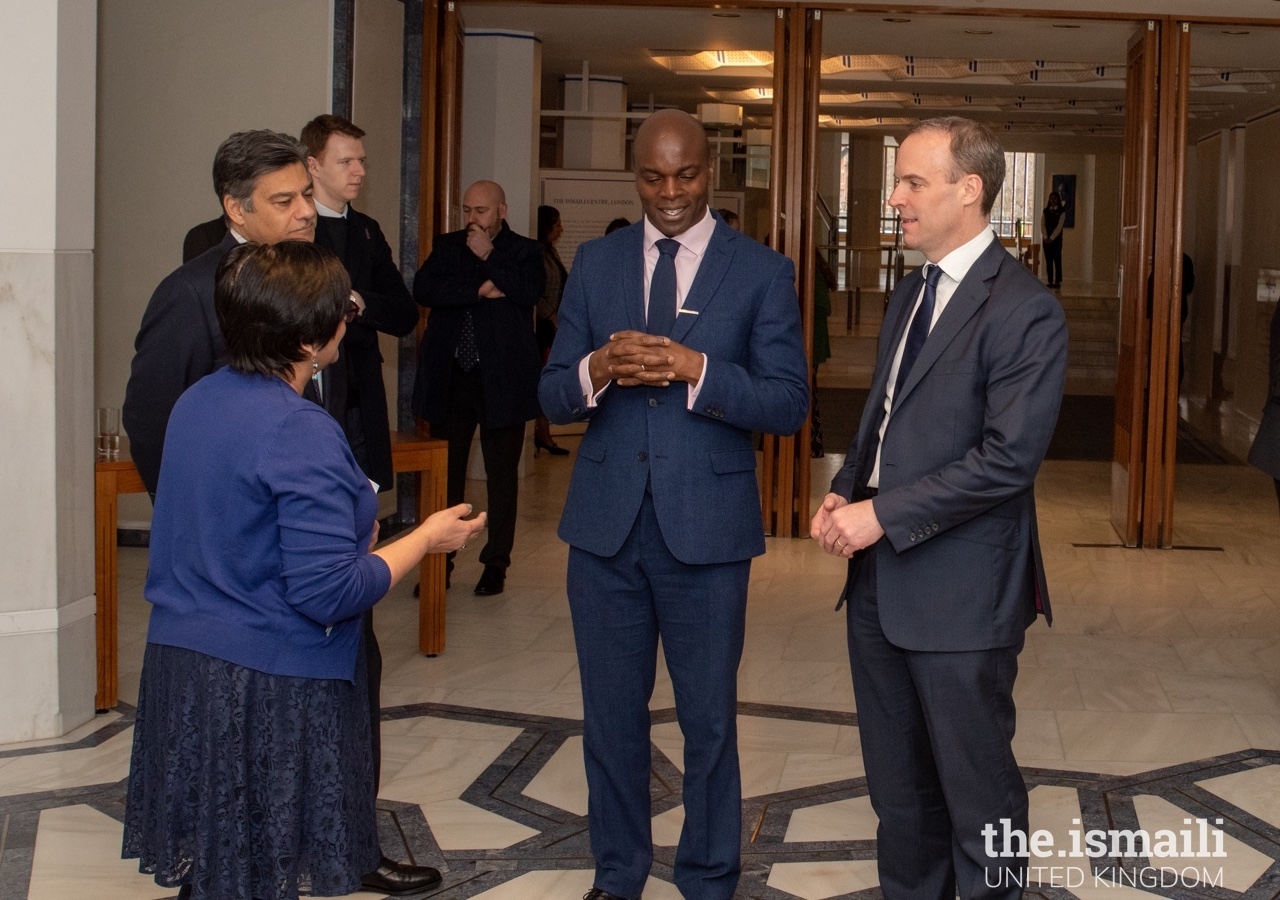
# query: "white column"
595 143
501 105
48 54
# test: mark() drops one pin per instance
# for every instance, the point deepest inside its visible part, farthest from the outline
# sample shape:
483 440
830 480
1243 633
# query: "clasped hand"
633 358
843 528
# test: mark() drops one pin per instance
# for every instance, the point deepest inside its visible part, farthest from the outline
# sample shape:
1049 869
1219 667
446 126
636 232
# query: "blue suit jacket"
700 463
960 565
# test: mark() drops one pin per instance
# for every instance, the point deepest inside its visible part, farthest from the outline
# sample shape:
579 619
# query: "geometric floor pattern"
1153 699
812 841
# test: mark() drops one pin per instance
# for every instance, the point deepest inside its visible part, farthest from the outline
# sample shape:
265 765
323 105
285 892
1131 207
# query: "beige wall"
1205 166
377 84
1090 250
1260 249
174 79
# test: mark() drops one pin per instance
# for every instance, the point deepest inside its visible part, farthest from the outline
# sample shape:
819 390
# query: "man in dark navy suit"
935 509
678 337
261 179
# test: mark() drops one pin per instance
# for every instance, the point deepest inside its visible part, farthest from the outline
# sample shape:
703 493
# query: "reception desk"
409 453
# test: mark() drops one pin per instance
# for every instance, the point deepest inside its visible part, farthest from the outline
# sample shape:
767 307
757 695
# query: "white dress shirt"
693 245
955 265
322 210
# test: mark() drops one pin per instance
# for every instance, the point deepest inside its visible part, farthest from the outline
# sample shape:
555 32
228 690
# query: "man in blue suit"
678 338
935 509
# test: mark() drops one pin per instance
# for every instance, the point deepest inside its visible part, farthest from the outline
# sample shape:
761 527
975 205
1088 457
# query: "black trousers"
1053 261
937 732
501 448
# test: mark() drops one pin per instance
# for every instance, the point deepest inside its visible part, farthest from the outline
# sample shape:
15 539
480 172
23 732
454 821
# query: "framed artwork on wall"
1065 187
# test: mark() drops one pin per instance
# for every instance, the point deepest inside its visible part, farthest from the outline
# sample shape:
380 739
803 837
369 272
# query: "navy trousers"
937 732
621 606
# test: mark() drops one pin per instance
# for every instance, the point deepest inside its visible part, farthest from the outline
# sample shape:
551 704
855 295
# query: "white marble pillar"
48 51
501 105
501 114
595 143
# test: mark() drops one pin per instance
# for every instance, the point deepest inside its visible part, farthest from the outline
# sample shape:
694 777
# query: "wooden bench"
409 453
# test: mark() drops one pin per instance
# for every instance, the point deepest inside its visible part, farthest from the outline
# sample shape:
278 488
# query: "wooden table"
409 453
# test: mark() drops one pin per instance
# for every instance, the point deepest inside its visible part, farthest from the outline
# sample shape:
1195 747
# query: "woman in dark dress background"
1052 223
547 311
251 775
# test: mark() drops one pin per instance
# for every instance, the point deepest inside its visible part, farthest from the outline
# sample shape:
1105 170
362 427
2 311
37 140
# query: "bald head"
673 170
485 206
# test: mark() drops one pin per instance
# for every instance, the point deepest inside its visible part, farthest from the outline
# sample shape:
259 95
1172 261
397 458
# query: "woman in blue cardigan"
251 775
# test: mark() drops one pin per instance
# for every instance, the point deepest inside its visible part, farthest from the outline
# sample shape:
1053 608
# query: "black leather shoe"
491 582
397 879
597 894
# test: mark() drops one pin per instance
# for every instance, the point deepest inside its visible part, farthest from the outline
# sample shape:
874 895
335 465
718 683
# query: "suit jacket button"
642 456
653 402
577 410
935 527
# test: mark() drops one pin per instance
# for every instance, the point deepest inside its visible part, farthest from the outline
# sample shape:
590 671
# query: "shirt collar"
956 264
322 210
240 238
695 238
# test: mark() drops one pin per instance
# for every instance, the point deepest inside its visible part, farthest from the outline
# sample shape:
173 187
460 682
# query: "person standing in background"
546 312
352 389
1265 452
1051 225
479 361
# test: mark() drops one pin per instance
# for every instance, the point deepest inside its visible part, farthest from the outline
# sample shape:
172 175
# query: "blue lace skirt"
249 785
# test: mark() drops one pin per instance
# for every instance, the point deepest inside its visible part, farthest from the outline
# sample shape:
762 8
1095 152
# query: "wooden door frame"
1137 210
786 472
1166 321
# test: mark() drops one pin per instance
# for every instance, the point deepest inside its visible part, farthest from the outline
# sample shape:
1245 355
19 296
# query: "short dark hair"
316 133
620 222
273 298
548 216
246 156
727 214
975 150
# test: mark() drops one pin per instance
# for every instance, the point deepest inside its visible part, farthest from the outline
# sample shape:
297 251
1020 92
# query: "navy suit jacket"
960 567
178 343
700 464
389 308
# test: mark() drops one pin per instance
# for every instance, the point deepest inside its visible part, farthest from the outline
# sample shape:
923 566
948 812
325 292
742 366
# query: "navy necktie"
919 329
662 289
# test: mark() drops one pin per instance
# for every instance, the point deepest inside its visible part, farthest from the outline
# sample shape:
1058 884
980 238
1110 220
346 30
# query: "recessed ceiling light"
977 31
1235 31
723 15
1064 25
899 20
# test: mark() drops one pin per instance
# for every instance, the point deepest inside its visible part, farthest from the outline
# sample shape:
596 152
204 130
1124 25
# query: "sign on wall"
588 201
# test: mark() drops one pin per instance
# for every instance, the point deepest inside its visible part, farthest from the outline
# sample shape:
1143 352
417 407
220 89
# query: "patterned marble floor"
1154 699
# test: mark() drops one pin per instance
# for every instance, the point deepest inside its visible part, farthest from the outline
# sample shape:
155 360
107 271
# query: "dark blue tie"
919 329
662 289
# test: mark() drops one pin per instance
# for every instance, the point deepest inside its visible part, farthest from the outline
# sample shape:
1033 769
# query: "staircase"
1093 318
